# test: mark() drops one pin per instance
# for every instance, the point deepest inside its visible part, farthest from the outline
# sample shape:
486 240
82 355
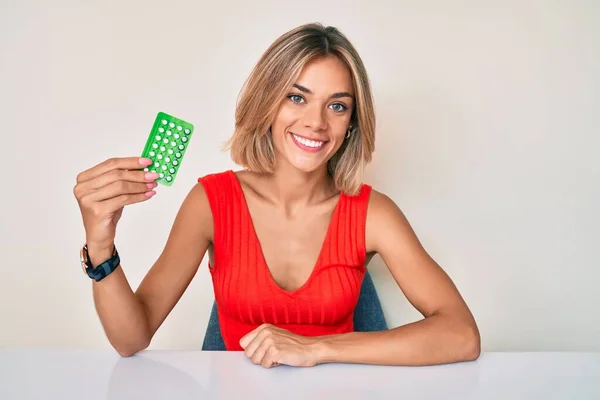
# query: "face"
312 121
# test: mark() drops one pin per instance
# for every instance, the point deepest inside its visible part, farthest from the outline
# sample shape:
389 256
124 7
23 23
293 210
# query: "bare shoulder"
196 207
386 224
379 203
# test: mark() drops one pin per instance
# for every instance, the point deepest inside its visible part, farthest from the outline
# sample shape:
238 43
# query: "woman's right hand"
103 190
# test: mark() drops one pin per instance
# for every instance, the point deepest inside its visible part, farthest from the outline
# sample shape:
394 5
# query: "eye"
295 98
339 107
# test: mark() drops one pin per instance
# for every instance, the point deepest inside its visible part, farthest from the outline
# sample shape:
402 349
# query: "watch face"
83 256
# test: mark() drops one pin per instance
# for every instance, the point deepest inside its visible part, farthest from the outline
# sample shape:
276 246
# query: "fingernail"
150 175
150 193
151 185
145 161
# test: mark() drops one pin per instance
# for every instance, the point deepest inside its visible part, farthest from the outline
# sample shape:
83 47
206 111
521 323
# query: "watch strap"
103 269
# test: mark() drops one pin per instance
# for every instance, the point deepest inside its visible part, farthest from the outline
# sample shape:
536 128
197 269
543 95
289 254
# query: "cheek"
339 130
286 116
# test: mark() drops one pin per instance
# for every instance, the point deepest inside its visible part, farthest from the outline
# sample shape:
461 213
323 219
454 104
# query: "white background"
487 138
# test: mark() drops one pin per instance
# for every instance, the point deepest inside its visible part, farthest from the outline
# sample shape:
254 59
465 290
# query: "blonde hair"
251 145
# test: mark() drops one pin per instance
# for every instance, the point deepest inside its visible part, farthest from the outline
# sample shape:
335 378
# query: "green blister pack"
166 146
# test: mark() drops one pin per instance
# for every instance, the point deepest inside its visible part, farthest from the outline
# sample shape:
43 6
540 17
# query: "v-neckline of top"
263 260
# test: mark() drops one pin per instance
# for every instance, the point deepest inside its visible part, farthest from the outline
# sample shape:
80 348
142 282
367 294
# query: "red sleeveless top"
245 292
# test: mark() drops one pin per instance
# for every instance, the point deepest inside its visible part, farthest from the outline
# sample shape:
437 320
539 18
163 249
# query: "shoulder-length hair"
251 145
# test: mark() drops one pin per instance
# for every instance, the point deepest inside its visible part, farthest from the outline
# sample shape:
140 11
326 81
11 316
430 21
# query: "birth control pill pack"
166 146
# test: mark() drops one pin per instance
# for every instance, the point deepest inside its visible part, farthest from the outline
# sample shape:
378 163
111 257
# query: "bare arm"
130 319
448 333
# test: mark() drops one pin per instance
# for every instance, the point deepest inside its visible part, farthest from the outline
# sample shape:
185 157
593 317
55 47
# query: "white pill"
154 145
161 129
173 144
178 128
167 159
172 125
175 162
164 167
181 147
157 137
169 133
187 131
165 140
146 169
178 155
176 136
169 178
152 154
184 139
170 151
160 156
172 170
164 121
161 175
162 148
156 164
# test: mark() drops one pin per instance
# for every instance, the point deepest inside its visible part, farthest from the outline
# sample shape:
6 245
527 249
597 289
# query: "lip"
309 138
307 148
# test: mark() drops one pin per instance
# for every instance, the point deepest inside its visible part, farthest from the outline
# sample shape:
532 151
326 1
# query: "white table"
101 374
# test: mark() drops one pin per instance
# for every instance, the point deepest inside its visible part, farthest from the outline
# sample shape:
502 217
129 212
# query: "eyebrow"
333 96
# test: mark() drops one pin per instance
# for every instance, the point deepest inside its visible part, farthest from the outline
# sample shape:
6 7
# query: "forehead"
326 75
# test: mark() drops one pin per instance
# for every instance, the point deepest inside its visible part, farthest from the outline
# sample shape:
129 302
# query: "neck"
291 188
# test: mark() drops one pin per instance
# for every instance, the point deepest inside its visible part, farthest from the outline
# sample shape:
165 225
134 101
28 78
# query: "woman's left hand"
271 346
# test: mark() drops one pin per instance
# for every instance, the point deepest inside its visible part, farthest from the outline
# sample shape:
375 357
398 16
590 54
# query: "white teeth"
307 142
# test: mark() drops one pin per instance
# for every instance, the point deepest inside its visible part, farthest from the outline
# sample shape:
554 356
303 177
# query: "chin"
306 167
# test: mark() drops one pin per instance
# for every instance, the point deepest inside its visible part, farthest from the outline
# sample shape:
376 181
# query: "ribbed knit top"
245 291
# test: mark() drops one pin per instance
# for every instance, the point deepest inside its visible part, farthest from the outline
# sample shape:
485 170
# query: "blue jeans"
368 317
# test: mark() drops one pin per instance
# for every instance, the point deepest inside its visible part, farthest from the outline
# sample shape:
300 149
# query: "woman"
289 237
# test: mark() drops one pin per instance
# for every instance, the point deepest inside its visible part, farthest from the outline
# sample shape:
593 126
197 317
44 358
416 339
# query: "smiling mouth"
307 144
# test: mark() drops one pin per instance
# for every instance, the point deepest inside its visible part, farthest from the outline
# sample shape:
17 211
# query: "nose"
314 119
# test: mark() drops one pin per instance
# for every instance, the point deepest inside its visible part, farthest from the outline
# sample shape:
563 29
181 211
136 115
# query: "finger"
258 340
260 355
123 200
271 358
117 175
128 163
249 337
119 188
87 187
252 346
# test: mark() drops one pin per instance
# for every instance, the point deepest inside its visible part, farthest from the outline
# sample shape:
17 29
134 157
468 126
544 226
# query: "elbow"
132 349
129 351
471 349
123 352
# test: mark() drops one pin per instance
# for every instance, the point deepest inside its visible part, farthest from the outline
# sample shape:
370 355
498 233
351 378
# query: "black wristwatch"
102 270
